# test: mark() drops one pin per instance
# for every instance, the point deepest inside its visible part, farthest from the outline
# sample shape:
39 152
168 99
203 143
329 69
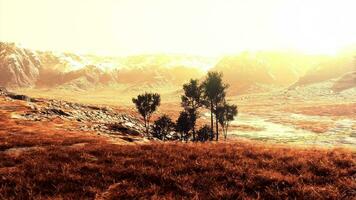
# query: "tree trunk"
211 118
145 120
225 132
193 133
216 124
148 127
227 126
217 128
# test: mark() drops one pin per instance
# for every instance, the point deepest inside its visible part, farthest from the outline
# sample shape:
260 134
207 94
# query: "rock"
102 120
19 97
33 106
3 91
54 111
118 127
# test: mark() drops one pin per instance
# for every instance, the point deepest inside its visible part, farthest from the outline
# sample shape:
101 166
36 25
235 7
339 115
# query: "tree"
184 124
162 126
204 134
192 100
226 113
146 105
214 93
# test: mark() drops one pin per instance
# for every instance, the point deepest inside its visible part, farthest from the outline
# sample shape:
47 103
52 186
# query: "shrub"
162 127
204 134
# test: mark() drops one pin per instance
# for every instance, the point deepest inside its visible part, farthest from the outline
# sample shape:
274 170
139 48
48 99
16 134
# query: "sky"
200 27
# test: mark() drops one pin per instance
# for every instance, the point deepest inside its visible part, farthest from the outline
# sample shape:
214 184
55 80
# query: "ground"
297 117
54 157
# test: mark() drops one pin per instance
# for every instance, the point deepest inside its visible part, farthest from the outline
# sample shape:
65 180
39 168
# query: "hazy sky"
205 27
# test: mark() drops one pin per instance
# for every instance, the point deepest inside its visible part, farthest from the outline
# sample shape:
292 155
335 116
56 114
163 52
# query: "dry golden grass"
38 160
174 171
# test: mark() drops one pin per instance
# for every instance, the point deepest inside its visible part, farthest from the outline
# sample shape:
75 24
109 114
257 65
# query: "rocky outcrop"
3 91
89 118
99 119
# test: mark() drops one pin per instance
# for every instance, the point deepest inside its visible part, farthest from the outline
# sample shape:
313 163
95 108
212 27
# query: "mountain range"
245 72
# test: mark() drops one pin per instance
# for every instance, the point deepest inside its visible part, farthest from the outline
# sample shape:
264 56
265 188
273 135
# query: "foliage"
204 134
214 93
162 127
192 100
193 95
185 123
226 113
146 104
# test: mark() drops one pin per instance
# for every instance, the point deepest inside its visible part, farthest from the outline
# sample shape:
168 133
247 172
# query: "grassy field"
61 165
175 171
43 160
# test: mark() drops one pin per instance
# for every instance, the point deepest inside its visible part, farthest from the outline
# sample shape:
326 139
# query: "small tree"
214 93
184 124
162 126
226 113
192 100
146 105
204 134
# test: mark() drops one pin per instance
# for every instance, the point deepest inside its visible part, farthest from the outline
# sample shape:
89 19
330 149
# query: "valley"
71 131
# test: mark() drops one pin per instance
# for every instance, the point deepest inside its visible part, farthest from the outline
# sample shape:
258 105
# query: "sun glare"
203 27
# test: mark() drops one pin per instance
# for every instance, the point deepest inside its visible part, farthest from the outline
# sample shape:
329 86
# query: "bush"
204 134
162 127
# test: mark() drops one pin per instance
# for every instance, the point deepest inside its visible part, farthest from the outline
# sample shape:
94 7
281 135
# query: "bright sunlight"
201 27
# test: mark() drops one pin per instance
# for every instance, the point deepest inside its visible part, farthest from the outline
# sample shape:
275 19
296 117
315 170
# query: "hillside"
339 70
346 81
262 71
247 72
53 149
18 67
24 68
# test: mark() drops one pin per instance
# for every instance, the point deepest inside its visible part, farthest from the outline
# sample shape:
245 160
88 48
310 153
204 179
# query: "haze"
201 27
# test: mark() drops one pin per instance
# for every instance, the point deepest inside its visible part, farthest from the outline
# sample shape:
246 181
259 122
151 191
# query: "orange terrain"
45 160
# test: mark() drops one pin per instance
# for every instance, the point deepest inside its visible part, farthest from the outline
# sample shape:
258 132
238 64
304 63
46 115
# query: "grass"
174 171
38 160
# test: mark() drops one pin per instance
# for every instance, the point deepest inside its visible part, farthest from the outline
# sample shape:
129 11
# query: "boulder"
19 97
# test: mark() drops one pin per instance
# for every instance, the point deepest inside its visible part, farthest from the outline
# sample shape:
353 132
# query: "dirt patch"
245 127
348 110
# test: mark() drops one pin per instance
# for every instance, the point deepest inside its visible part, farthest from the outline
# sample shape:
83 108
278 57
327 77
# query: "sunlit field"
39 160
177 99
316 122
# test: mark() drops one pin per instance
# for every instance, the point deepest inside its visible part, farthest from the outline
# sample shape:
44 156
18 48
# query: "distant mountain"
330 68
18 67
21 67
339 69
257 72
245 72
345 82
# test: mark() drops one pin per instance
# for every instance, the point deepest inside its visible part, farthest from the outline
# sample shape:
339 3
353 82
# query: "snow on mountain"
21 67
